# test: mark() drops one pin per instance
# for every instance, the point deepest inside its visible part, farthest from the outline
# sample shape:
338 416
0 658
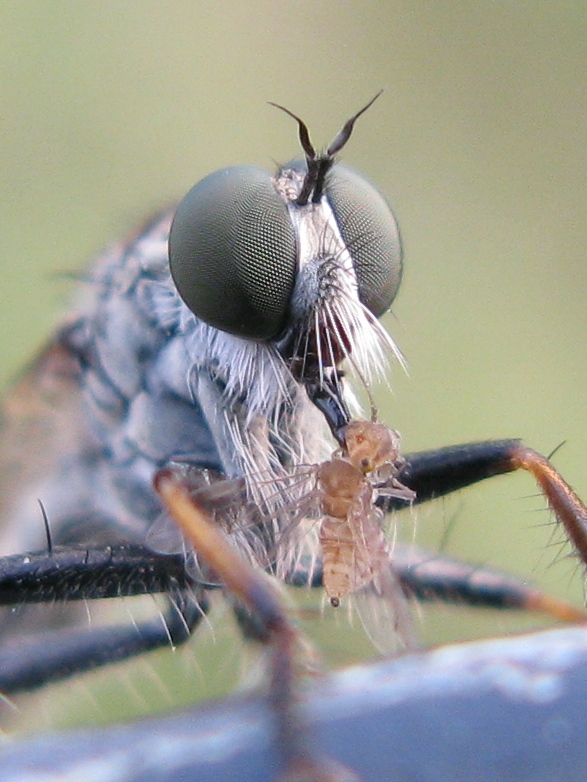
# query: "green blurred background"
112 110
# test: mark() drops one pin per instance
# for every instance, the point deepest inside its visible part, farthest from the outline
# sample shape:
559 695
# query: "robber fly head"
307 259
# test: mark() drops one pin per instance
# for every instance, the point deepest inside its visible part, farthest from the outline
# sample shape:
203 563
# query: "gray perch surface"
501 710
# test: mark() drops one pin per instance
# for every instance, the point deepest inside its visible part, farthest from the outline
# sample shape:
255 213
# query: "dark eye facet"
232 253
371 235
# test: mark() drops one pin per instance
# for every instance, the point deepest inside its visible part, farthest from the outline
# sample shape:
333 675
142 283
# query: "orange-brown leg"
256 590
566 504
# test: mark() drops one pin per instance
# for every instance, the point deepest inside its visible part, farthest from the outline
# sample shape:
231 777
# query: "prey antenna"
320 163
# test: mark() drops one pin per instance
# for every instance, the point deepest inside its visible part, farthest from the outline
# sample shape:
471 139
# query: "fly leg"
80 574
428 576
262 597
439 472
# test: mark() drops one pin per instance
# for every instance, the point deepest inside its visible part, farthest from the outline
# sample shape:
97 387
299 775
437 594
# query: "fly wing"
223 499
41 423
45 452
288 504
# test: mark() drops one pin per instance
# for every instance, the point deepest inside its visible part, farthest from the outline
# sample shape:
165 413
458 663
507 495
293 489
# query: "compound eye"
232 253
371 234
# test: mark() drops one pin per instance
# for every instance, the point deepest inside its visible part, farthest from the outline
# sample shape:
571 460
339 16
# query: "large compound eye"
232 253
371 234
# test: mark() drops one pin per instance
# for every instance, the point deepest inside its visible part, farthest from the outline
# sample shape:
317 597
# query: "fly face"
308 260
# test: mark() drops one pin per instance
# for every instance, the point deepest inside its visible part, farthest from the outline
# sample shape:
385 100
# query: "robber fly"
212 337
213 340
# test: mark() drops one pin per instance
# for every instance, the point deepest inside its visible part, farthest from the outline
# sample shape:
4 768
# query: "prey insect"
335 501
213 340
356 555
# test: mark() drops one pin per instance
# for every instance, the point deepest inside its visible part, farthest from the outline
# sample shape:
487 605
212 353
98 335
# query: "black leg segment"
441 471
